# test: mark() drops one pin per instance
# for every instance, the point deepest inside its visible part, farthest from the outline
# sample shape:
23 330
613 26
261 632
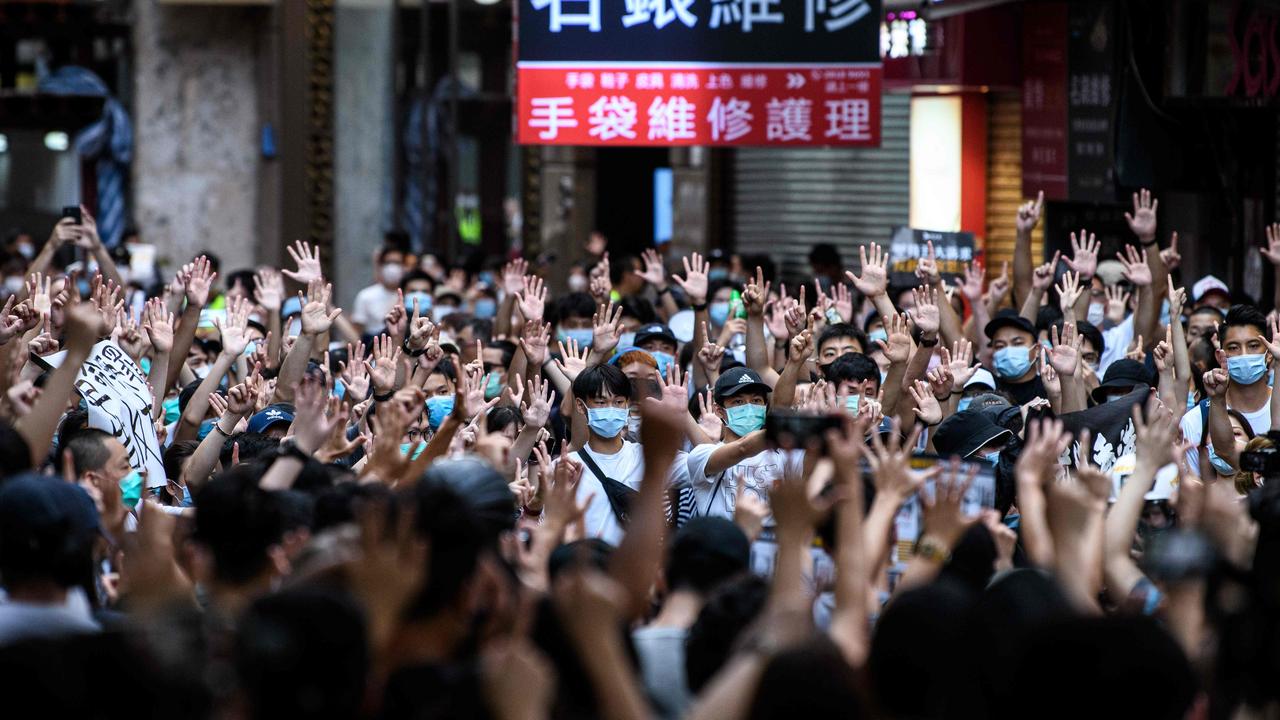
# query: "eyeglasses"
414 434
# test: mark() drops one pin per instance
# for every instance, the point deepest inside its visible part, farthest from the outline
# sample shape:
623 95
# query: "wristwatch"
411 352
933 550
925 342
698 308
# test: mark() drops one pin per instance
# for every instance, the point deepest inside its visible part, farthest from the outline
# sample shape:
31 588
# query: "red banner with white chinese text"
572 103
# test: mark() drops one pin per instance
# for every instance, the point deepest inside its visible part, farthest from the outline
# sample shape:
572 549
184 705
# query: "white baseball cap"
981 377
1206 285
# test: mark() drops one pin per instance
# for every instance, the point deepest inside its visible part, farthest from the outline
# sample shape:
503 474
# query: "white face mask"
26 250
201 372
1097 313
440 312
392 273
13 283
577 283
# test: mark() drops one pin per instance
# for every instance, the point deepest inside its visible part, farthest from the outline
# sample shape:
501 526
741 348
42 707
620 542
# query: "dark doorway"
624 196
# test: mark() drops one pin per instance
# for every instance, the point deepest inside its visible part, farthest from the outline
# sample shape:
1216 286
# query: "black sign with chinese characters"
699 72
707 31
1091 99
952 250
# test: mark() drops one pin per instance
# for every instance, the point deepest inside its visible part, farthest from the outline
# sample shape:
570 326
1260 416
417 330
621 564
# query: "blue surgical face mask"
1164 313
486 308
131 488
1013 362
664 361
963 404
716 274
583 336
745 419
250 348
851 404
423 298
878 334
440 312
339 390
145 364
438 408
412 449
1191 399
991 458
719 312
186 497
1247 369
493 386
607 422
1222 466
171 411
1046 344
206 427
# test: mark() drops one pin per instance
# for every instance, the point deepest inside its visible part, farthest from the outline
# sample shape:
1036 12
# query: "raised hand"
841 299
891 465
1084 254
513 276
1177 299
1162 353
1272 251
316 316
1029 214
270 290
1069 292
200 279
694 283
926 407
1065 354
534 340
573 359
383 361
307 260
1049 378
927 267
1117 304
971 286
1170 256
39 293
801 348
129 337
675 394
601 284
875 271
396 321
537 409
240 400
1142 221
606 329
234 328
1136 270
708 421
943 509
775 318
960 364
421 331
897 349
532 299
755 294
158 322
654 273
354 374
940 380
999 287
926 314
1042 276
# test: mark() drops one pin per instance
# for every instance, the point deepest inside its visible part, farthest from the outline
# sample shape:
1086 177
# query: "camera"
1264 461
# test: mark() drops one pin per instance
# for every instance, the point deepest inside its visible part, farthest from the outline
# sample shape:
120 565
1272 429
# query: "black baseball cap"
965 433
1009 317
38 513
740 379
655 330
1124 374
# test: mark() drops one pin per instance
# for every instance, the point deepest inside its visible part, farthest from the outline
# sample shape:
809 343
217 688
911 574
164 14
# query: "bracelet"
1154 241
929 343
698 308
290 450
411 352
383 398
663 291
956 392
218 427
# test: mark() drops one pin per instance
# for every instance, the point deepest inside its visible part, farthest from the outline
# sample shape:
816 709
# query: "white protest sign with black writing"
119 402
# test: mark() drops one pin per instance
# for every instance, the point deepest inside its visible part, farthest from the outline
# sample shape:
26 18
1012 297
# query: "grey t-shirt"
661 651
21 621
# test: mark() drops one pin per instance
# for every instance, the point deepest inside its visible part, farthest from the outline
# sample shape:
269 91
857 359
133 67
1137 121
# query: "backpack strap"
618 494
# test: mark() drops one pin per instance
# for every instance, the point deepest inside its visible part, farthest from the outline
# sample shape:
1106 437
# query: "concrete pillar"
195 172
363 127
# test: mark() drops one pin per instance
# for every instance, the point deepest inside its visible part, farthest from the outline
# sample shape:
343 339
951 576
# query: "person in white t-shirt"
374 302
612 467
1245 353
741 459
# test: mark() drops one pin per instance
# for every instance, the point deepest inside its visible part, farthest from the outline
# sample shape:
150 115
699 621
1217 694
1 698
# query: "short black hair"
456 538
634 306
445 368
88 450
1047 317
841 330
1244 316
481 329
599 380
575 304
386 250
253 446
175 455
501 417
414 276
854 367
729 610
238 523
1092 334
215 262
245 278
824 254
706 552
508 349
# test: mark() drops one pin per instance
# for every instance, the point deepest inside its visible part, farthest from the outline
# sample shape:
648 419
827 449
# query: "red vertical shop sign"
1044 100
699 72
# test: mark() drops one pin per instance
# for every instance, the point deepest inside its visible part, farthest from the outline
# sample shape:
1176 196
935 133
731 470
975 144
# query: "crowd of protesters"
660 486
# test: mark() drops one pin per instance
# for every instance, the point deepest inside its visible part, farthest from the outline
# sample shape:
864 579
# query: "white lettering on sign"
849 119
729 120
789 119
672 119
643 11
588 17
613 116
549 114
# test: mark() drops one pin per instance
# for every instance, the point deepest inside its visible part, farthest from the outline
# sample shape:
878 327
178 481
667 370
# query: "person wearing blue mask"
658 340
496 357
611 466
441 393
1015 352
573 315
101 461
981 383
856 378
1241 382
971 435
417 286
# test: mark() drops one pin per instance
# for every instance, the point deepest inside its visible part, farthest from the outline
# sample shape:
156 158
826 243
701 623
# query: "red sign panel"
698 104
1044 100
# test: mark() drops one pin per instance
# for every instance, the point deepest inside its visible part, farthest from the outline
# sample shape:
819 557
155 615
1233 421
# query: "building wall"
196 112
